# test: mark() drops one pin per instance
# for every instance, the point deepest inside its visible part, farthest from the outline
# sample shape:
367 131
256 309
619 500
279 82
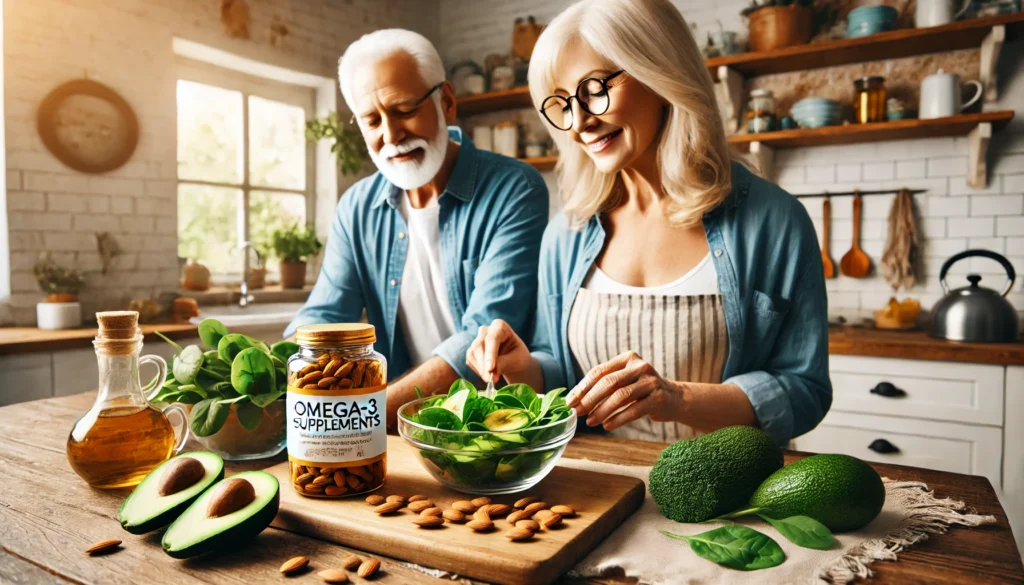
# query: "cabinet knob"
883 447
888 390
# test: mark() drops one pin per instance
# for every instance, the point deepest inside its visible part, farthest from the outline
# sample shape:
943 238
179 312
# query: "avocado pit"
182 473
231 495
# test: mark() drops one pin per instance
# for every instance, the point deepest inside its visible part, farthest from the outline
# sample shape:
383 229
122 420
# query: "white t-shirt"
702 279
423 310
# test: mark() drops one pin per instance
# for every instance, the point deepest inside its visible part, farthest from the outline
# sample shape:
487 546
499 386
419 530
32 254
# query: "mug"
940 95
937 12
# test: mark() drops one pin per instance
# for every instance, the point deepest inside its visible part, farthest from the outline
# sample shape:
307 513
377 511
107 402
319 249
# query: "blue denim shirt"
492 217
766 253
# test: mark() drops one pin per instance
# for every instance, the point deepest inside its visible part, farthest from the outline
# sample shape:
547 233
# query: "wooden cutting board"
603 501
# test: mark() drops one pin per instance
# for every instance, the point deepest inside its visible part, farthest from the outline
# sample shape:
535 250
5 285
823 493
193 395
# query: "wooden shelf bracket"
730 97
977 171
764 159
990 48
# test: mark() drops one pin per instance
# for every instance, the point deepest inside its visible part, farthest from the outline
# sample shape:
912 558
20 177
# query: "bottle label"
344 427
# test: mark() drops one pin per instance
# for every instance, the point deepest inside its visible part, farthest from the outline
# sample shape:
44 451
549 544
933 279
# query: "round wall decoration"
88 126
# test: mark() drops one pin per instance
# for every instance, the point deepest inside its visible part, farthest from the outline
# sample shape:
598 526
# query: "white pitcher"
940 95
936 12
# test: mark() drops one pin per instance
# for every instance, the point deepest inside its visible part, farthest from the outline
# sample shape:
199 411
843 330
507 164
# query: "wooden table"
48 516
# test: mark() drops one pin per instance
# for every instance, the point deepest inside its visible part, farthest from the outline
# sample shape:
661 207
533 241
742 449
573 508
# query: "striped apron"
683 337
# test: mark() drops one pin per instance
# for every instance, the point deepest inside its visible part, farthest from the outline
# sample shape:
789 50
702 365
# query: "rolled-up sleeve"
505 282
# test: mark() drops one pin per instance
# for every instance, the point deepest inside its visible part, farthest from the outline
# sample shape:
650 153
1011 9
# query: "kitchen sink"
252 315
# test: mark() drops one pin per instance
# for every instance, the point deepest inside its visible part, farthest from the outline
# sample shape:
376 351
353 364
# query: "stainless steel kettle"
975 313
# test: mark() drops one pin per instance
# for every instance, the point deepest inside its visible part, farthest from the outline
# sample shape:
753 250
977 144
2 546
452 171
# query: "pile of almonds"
364 568
336 481
526 517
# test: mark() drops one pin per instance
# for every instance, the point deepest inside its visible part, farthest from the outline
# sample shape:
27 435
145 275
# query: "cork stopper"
118 324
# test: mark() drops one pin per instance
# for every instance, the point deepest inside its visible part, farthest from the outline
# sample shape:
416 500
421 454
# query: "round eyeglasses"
591 94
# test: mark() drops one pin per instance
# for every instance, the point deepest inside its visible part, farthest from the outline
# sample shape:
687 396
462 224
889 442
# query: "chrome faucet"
244 297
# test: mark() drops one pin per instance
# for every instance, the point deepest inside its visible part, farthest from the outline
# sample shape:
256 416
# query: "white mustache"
393 150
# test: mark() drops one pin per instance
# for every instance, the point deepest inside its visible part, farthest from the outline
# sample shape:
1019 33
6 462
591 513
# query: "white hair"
373 47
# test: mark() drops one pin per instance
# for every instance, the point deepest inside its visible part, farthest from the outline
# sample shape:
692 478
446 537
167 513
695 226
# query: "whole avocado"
840 491
700 479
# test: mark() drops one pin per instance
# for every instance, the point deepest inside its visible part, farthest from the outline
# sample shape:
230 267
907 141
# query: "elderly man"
442 240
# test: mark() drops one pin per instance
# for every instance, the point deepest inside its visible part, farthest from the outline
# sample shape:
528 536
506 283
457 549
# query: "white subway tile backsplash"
997 205
980 227
1007 164
790 175
932 227
848 172
994 244
944 248
821 174
911 169
946 207
1013 183
1010 226
879 171
953 166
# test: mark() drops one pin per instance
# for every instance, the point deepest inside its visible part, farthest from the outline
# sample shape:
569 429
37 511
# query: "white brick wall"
126 44
952 215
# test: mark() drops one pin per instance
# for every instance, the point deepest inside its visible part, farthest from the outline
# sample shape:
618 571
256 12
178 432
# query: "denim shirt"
766 253
491 220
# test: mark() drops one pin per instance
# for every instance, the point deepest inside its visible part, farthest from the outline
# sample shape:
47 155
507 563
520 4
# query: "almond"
344 369
333 576
420 505
368 567
482 514
428 521
363 473
323 359
494 510
322 480
480 524
103 546
351 562
524 502
230 495
417 498
335 490
517 534
481 501
303 479
453 515
563 510
535 507
388 508
432 511
541 514
313 489
354 482
528 524
517 516
396 498
339 477
465 506
328 470
551 521
331 367
294 564
182 473
375 500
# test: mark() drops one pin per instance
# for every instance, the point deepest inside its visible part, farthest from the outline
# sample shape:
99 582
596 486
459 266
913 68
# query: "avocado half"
145 509
194 532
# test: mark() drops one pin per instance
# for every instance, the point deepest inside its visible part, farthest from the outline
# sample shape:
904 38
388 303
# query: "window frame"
269 89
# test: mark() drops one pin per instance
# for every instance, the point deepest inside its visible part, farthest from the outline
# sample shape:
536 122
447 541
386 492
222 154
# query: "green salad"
506 438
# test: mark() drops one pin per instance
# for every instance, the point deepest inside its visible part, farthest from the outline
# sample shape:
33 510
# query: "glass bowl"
233 442
486 462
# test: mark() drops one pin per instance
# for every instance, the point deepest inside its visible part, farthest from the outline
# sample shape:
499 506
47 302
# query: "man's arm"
432 376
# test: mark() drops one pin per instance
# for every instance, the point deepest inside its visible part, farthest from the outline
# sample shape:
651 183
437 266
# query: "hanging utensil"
826 258
901 251
856 263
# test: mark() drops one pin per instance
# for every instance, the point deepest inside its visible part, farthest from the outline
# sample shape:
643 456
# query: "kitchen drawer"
959 448
958 392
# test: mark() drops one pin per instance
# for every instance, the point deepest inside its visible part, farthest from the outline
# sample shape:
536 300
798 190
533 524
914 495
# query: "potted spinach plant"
295 245
234 390
60 308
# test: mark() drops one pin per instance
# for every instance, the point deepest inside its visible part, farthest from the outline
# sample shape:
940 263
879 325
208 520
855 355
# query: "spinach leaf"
211 331
188 397
509 401
736 547
440 418
461 384
284 350
194 389
802 531
233 343
548 401
522 392
252 372
265 400
249 415
168 340
419 393
208 417
187 363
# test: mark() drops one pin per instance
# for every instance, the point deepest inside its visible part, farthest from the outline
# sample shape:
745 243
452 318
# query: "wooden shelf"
895 44
517 97
895 130
541 163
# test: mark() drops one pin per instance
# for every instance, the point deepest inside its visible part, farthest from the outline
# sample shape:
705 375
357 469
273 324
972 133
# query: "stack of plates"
816 112
868 20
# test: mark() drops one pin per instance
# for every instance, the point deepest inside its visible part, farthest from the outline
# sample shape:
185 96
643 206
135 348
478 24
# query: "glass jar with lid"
336 405
869 103
761 111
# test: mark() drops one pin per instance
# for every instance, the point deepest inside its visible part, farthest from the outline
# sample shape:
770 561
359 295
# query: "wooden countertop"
917 345
48 516
30 339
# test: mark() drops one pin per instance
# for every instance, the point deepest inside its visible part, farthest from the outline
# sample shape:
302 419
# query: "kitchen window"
245 168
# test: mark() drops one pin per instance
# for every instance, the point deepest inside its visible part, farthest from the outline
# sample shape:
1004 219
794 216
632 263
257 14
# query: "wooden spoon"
855 263
826 258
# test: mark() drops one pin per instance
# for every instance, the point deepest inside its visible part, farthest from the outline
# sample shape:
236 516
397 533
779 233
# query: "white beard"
413 174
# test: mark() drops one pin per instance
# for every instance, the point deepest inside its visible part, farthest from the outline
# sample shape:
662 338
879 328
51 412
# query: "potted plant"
294 246
783 23
348 144
60 308
234 391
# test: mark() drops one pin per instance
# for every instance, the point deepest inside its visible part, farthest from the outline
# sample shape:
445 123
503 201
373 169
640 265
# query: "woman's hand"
498 351
625 381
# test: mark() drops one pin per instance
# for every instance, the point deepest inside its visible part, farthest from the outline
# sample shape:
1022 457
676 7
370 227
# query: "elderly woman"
679 293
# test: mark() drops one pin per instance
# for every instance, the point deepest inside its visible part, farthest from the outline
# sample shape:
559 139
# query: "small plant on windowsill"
347 143
294 246
60 309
